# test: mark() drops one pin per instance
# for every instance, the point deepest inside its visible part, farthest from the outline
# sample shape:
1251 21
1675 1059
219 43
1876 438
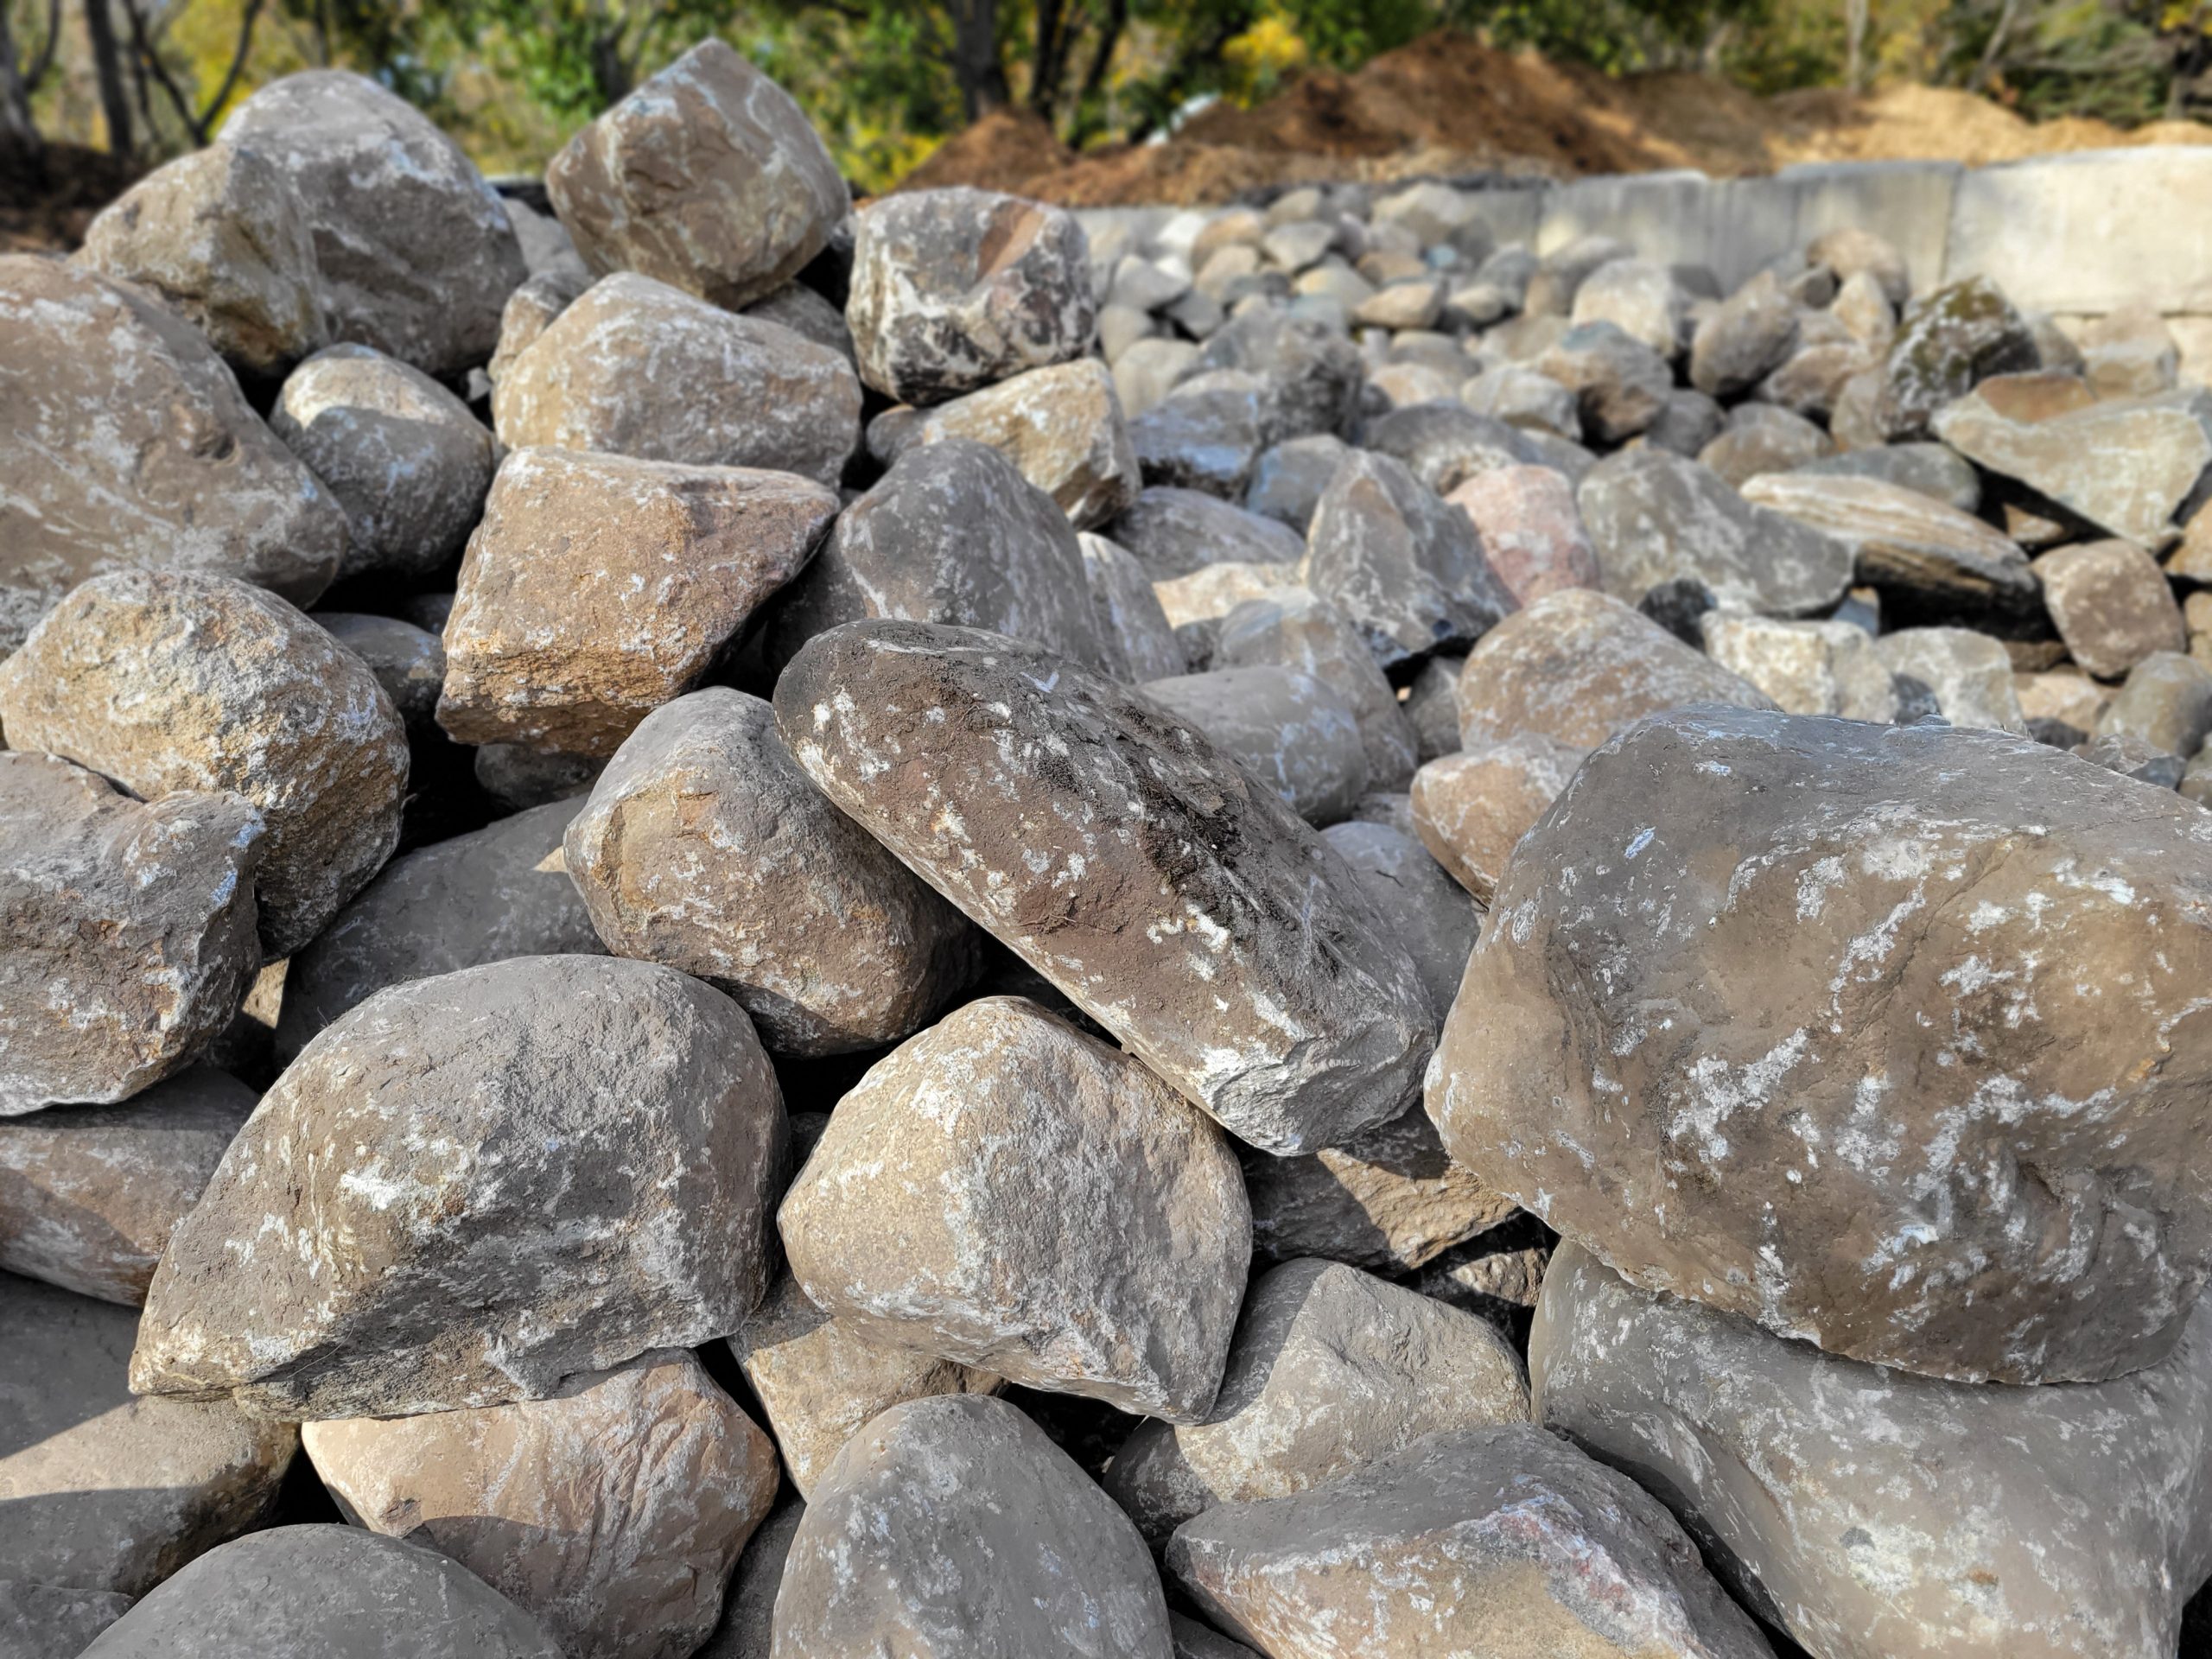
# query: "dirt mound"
1003 151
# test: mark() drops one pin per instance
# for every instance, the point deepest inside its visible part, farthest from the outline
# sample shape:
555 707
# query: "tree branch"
251 16
37 72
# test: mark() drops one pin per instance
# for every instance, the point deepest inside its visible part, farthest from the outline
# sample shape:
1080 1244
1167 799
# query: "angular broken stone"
2126 466
1807 668
166 681
613 1511
1125 857
125 443
953 1526
1748 336
1128 612
2166 702
530 311
1948 341
704 847
821 1381
1897 1517
1061 426
1415 896
89 1194
1530 529
1969 674
404 457
2111 604
1331 1369
1576 667
956 289
101 1492
1294 628
1196 605
1443 445
1173 532
1513 1538
1950 896
1524 397
1207 434
1287 480
599 587
1777 442
1620 384
417 252
471 1188
638 368
1931 469
1292 732
1004 1135
408 663
1314 369
1470 808
131 930
708 177
221 236
749 1606
1654 516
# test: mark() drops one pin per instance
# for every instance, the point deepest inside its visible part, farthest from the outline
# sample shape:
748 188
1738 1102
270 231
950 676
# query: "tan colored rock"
2126 467
1807 668
1062 426
125 443
170 681
613 1511
599 587
1210 593
529 312
1289 731
1531 531
2062 693
2166 703
1970 674
2111 604
1471 808
707 177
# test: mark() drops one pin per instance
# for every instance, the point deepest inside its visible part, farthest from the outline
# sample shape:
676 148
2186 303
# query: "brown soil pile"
1002 151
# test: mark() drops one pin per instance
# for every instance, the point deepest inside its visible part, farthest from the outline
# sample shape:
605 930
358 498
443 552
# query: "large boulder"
708 177
125 443
1127 859
1948 341
1954 1129
168 681
417 252
471 1188
53 1621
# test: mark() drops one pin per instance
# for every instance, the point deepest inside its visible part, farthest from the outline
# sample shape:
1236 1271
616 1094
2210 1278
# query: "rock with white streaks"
1472 808
1062 426
1807 668
2126 467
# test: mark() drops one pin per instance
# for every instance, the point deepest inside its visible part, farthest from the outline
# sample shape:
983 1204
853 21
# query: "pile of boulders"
736 929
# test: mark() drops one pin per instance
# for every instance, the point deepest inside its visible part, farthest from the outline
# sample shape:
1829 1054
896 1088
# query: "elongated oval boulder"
1122 856
1002 1135
704 846
1959 1127
951 1526
472 1187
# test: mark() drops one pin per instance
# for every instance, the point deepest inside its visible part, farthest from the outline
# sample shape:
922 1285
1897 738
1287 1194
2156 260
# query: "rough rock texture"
1299 630
89 1194
339 1592
953 289
1470 808
1207 596
1126 858
404 457
409 662
1969 674
2126 466
1807 668
1331 1368
1061 426
599 587
1577 667
1128 612
1878 1516
1292 733
1416 901
51 1621
704 847
1620 384
472 1187
613 1511
166 681
1744 338
222 236
636 367
124 442
1173 532
749 1606
101 1492
2166 702
1517 1542
1531 531
1946 341
131 930
1194 1641
708 177
2111 604
417 252
530 311
1003 1135
1956 1129
821 1381
1315 371
499 892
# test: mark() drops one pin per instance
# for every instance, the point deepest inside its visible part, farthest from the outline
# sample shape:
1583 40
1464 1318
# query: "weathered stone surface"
1619 385
1288 479
599 587
415 250
1172 532
1689 421
1932 469
220 235
1776 441
1577 667
169 682
1748 336
1432 705
613 1511
749 1607
1314 369
953 289
405 1224
1207 434
1654 516
1951 1132
1146 372
2111 604
1969 674
51 1621
338 1591
408 663
2130 757
708 177
1125 858
1496 1275
1414 895
495 892
101 1492
1639 296
1947 341
1294 733
1531 531
1880 1516
125 443
821 1381
952 1526
1807 668
529 312
635 367
2126 466
1516 1540
704 847
2167 702
1127 611
88 1195
1003 1135
1194 1641
131 927
404 457
1196 605
1471 808
2066 694
1062 426
1443 445
1331 1368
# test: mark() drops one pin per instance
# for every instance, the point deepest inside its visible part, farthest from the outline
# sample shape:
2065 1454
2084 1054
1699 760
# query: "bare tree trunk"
107 68
1996 46
976 63
1854 33
1050 62
18 132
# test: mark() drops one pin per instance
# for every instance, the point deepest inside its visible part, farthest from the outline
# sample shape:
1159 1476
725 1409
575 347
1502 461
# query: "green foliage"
1619 36
2048 58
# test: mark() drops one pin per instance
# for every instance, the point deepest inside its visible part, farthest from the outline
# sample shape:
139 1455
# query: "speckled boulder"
1948 339
53 1621
2111 604
1062 426
1470 808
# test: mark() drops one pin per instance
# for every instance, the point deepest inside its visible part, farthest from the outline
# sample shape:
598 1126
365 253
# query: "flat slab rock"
1878 1516
402 1225
1122 856
1958 1129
